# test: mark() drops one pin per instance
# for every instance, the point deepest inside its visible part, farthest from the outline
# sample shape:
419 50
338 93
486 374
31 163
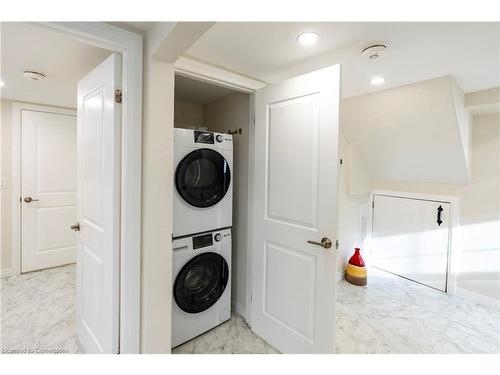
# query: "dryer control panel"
206 137
203 137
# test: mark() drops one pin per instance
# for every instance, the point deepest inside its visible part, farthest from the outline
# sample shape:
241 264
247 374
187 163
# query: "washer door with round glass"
201 282
202 178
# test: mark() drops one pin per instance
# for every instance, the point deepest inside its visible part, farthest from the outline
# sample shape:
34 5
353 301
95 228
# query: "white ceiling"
198 92
269 52
63 60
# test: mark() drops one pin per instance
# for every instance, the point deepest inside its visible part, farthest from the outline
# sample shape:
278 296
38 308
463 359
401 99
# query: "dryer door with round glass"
202 178
201 282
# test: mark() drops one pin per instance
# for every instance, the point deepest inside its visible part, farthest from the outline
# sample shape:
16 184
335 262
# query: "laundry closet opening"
211 208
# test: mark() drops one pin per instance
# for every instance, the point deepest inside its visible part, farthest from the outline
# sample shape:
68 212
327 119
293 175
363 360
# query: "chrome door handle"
75 227
325 243
29 200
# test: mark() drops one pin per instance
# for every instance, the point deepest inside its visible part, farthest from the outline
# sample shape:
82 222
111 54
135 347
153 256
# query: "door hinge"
373 204
337 244
341 161
118 96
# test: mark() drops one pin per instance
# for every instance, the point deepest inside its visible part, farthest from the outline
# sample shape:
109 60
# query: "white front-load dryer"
201 297
203 188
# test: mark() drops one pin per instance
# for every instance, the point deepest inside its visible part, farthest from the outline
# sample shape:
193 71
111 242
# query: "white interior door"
408 240
48 186
296 155
98 208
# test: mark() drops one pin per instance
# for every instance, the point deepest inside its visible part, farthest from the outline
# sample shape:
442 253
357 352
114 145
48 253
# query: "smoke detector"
374 51
34 75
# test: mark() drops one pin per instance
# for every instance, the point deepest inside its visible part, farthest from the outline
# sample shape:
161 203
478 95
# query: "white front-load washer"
201 297
203 196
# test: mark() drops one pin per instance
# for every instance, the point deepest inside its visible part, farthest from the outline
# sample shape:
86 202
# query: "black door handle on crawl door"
439 221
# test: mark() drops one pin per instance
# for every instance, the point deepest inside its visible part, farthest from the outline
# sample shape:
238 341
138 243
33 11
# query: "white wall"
358 180
354 187
411 133
463 121
479 263
188 115
484 101
232 112
157 177
5 194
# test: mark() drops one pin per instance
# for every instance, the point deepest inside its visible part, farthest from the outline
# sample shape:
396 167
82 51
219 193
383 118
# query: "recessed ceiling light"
2 83
377 80
308 38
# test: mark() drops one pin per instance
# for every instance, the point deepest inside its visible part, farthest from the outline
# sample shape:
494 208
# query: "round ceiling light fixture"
374 51
308 38
34 75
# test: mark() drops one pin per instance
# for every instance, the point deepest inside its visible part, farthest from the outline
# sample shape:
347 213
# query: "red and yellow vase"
355 272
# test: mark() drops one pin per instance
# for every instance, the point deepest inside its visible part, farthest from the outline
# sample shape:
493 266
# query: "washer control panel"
202 241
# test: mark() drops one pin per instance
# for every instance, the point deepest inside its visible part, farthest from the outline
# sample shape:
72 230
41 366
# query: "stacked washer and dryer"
202 206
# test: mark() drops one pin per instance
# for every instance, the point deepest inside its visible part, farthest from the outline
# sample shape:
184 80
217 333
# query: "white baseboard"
7 272
237 307
476 297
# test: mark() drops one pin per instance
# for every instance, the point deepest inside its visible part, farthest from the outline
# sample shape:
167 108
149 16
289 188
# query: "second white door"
98 208
296 154
48 189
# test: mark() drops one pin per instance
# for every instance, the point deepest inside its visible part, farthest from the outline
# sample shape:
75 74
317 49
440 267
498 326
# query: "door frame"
454 243
220 77
130 45
16 242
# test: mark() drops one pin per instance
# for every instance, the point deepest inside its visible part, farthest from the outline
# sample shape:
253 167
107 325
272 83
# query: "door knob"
76 227
29 200
325 243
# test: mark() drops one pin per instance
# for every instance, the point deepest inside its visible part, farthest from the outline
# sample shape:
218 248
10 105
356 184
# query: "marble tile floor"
38 312
231 337
390 315
395 315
